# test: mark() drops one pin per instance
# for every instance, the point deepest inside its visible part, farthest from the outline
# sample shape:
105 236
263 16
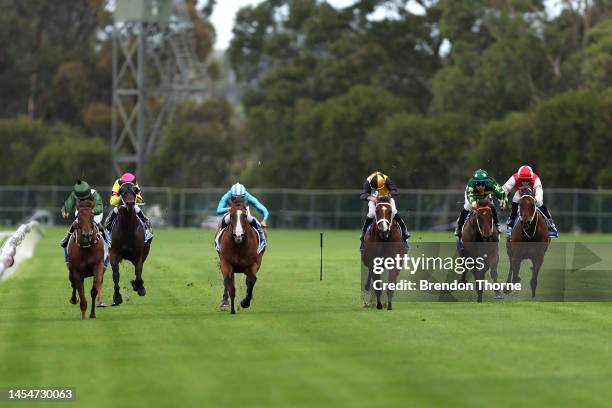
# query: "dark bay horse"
529 240
238 254
85 257
128 242
383 239
481 240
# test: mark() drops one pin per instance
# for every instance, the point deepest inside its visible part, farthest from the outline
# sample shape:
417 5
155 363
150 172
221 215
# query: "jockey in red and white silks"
525 180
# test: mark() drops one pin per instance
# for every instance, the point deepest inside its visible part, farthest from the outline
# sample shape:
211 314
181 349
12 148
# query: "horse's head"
238 219
384 216
127 192
484 219
527 209
85 226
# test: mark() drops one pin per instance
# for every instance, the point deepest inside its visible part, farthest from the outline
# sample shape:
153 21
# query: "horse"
481 240
238 254
385 240
529 240
85 257
128 242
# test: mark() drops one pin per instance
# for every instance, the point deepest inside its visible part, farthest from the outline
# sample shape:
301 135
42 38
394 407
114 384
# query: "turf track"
302 342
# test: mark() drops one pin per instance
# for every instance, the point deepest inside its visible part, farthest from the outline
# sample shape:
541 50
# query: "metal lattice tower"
154 61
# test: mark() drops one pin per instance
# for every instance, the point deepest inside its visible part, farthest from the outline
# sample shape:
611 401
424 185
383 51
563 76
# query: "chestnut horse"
383 239
85 257
481 240
128 242
238 254
530 240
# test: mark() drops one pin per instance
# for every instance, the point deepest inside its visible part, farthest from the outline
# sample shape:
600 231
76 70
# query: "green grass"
302 342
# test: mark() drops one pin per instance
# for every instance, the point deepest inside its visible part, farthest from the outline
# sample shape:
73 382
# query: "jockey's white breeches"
372 208
539 197
97 218
226 217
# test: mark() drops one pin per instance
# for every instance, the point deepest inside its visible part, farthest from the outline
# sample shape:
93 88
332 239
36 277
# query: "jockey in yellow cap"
378 184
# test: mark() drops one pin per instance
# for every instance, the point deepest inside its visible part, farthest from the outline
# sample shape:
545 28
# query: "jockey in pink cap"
115 201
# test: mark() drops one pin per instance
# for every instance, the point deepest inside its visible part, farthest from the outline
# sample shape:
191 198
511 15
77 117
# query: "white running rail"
25 238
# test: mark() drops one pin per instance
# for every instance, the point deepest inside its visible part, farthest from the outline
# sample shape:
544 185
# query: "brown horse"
481 240
382 240
238 254
530 240
128 242
85 257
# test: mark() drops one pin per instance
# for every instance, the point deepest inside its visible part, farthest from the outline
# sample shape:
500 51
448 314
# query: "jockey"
525 181
115 201
81 191
238 191
378 184
480 186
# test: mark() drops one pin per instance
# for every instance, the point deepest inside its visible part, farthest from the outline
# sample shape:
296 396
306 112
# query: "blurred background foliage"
423 90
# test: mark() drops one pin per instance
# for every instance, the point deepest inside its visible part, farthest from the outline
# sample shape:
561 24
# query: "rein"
478 221
535 224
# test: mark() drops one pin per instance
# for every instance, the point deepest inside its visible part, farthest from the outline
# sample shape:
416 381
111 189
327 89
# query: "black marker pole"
321 269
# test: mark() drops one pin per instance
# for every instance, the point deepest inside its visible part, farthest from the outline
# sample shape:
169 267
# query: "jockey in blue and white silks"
239 191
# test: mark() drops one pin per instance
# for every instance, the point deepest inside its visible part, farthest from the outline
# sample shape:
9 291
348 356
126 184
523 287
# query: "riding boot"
367 223
512 219
64 242
552 229
460 221
255 224
495 219
405 234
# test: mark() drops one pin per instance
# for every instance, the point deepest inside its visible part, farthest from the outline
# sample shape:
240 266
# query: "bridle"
483 208
529 222
384 221
77 230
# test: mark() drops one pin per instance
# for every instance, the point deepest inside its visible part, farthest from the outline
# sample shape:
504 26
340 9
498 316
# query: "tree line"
425 91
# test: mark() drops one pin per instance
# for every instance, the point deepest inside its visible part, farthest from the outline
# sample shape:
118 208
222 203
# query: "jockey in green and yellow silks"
480 186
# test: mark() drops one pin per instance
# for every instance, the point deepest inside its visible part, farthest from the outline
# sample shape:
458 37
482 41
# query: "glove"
504 204
474 204
264 224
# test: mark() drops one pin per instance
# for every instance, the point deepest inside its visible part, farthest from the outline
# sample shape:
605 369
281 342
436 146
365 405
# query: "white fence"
18 247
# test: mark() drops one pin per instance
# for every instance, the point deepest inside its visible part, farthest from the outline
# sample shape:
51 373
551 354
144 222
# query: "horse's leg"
537 264
73 299
80 282
251 279
228 283
224 300
392 279
378 292
138 283
96 288
114 261
478 282
494 261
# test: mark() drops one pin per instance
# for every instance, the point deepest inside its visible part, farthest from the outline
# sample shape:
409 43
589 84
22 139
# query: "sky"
225 11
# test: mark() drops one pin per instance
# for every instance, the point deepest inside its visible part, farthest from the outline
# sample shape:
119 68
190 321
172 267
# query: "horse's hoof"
117 299
245 303
389 307
101 304
92 316
142 291
73 301
133 282
379 306
233 312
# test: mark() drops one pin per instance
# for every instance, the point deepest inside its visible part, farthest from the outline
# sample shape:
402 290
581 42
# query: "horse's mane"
384 199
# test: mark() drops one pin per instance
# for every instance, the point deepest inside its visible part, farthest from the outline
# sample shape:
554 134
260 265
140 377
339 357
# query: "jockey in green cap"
480 186
81 191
